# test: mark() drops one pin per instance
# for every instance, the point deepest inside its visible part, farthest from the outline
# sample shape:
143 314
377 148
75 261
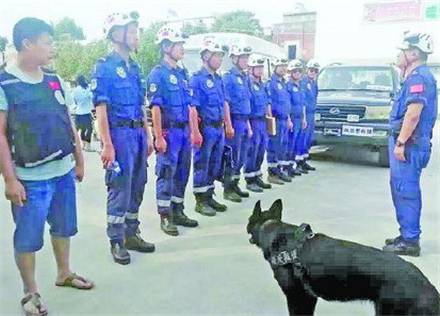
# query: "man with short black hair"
40 157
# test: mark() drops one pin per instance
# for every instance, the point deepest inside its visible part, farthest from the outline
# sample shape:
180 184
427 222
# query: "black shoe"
284 177
296 172
168 227
136 243
180 218
259 181
204 209
403 248
119 252
231 196
274 179
253 186
301 168
308 167
390 241
240 192
218 207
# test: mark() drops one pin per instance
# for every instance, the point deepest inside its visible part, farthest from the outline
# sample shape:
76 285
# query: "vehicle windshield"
356 78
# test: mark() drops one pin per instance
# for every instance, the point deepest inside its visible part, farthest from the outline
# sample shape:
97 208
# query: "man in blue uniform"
297 116
412 120
175 127
119 96
259 109
280 109
310 88
209 99
237 111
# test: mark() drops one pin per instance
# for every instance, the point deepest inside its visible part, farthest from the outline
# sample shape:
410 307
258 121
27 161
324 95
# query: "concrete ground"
213 270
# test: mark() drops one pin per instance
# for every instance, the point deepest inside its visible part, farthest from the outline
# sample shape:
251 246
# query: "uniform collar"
206 73
417 69
256 80
294 83
237 71
277 78
118 59
167 66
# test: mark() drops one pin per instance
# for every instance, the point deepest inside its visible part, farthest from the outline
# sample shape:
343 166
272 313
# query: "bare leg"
26 265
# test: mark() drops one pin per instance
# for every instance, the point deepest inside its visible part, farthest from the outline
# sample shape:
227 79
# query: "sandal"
32 305
70 282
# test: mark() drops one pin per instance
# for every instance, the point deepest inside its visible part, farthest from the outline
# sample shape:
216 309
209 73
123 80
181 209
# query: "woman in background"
83 111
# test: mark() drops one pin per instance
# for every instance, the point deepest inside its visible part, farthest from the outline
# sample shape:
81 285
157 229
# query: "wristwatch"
399 143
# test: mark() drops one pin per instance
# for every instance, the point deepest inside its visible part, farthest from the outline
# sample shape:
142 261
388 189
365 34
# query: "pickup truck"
353 106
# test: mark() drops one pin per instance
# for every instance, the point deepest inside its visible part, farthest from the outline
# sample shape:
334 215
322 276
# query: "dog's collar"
290 256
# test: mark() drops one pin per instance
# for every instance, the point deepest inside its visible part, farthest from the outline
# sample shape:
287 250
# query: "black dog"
308 266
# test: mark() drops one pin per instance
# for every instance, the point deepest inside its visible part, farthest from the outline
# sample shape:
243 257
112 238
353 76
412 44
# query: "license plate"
332 131
353 118
350 130
317 116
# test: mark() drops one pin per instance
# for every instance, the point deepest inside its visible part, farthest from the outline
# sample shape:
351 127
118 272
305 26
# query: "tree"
67 29
196 28
148 54
239 22
3 43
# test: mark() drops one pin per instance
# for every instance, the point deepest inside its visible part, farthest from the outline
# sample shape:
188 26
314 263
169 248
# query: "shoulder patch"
417 88
152 88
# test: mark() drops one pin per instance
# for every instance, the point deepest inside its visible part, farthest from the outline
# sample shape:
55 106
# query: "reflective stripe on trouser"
405 188
172 169
239 144
256 150
294 146
208 159
277 147
126 191
309 132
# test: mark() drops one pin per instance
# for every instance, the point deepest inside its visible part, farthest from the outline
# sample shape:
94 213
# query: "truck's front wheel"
384 158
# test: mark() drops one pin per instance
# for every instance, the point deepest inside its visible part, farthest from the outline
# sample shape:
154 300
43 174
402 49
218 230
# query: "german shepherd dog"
307 266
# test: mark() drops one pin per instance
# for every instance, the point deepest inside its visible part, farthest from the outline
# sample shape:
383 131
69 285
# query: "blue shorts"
52 200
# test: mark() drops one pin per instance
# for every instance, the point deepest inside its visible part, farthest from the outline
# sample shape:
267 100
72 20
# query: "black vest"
38 122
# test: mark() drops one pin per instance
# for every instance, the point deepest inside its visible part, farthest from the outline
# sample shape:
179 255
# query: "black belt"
128 123
215 124
180 125
258 118
240 117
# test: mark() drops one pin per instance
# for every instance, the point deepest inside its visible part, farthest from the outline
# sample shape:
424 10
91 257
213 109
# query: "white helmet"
256 60
422 41
210 44
313 64
167 32
119 19
280 61
238 50
295 64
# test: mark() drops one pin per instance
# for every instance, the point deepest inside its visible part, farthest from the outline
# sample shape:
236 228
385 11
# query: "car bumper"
362 134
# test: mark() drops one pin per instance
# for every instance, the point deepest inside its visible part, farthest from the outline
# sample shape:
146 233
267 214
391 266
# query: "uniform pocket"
174 95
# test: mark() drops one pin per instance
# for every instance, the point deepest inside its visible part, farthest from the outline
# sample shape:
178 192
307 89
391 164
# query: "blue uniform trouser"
309 133
256 150
208 159
405 185
172 170
239 144
294 146
125 192
277 148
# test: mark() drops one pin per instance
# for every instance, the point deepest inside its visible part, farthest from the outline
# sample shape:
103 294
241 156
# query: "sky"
341 33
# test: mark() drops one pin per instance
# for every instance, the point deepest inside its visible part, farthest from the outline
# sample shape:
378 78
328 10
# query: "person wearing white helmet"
260 107
209 98
280 106
412 119
310 88
237 111
175 128
118 96
298 117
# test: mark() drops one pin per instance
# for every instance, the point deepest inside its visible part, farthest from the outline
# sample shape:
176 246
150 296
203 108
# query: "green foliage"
3 43
239 22
66 29
196 28
148 54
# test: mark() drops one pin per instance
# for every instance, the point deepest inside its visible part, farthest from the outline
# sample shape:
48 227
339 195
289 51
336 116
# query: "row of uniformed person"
220 121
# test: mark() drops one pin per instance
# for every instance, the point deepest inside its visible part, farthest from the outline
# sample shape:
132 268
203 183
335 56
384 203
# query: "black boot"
218 207
390 241
404 248
229 192
136 243
239 191
283 176
308 167
295 171
274 178
252 185
259 181
167 226
301 167
180 218
202 205
119 252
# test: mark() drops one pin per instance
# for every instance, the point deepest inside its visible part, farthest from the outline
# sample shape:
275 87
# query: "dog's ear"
276 209
257 209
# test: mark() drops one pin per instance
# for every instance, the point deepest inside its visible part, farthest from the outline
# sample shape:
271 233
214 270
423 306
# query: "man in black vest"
40 157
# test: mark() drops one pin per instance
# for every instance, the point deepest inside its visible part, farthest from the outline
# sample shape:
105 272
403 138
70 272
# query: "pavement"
212 269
